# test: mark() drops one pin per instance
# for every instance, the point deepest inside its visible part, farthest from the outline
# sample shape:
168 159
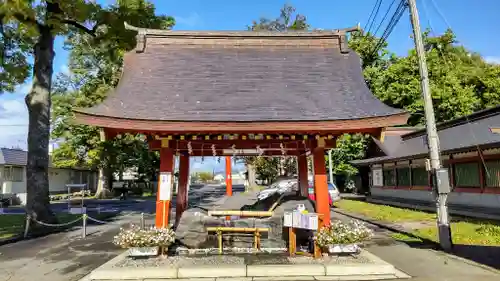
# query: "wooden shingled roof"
234 76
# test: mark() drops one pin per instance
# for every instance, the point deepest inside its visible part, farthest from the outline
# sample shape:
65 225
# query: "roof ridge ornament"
344 48
140 46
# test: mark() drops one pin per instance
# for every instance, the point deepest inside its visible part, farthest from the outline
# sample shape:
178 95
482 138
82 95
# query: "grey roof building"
466 133
15 157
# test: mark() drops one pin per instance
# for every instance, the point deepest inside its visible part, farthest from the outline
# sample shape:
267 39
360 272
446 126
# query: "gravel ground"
238 259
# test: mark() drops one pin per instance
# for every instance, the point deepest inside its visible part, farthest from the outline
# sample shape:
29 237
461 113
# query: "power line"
396 16
377 5
385 16
371 14
13 125
440 14
447 62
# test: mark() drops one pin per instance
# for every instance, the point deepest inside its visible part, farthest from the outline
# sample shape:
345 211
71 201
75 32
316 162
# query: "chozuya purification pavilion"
223 93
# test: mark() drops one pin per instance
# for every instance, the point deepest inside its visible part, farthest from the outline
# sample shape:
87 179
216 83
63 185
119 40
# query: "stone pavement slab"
277 267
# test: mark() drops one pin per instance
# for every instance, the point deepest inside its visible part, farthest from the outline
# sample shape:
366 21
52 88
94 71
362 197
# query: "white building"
13 176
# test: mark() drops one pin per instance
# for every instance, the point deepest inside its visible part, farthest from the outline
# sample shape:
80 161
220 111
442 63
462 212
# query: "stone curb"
397 229
376 270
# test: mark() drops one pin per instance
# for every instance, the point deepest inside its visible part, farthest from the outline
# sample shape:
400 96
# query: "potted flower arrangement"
144 242
342 237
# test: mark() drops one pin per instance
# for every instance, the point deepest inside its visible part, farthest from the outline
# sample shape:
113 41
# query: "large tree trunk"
251 175
103 184
38 102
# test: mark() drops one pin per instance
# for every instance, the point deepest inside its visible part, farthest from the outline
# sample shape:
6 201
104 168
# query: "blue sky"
474 22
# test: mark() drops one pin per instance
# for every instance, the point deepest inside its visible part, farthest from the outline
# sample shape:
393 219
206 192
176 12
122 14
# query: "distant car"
280 186
333 192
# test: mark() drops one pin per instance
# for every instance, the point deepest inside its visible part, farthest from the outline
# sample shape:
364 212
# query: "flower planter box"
143 251
343 249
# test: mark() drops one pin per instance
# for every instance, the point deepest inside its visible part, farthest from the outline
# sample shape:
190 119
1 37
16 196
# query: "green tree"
287 21
28 28
349 147
95 65
203 176
461 81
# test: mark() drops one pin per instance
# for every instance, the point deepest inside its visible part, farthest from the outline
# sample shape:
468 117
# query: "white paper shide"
297 219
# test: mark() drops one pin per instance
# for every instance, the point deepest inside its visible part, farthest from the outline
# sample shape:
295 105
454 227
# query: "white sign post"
165 186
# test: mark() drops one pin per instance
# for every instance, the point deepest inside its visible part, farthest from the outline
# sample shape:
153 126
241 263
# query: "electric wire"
376 8
396 16
469 125
385 16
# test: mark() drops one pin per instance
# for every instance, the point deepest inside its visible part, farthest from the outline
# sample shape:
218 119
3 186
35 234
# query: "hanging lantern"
282 147
190 148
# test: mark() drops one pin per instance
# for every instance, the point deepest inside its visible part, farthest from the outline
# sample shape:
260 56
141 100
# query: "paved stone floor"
67 257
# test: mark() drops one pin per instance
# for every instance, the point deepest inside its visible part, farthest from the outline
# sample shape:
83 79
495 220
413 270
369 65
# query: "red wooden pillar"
182 202
166 168
229 180
321 184
303 173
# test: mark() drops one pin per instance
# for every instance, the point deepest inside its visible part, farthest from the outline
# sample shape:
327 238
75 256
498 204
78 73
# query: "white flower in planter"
342 233
151 237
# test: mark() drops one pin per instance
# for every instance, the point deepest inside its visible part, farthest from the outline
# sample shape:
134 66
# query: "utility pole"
440 179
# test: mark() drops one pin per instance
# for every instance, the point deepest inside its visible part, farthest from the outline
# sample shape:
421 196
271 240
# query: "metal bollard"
84 226
27 226
142 221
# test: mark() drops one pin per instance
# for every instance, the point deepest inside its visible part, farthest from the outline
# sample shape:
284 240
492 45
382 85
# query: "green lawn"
383 212
464 231
12 224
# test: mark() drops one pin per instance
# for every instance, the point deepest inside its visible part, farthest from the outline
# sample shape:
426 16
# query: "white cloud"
495 60
65 69
190 21
23 89
13 121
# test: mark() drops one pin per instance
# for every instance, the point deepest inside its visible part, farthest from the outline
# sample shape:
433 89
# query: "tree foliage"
28 29
287 21
349 147
461 81
95 65
202 177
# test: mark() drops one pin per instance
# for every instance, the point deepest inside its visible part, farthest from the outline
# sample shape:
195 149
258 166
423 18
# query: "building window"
76 176
467 175
404 176
419 176
492 173
13 173
389 177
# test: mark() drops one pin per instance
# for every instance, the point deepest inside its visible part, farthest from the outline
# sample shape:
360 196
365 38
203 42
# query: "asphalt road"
68 257
195 195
